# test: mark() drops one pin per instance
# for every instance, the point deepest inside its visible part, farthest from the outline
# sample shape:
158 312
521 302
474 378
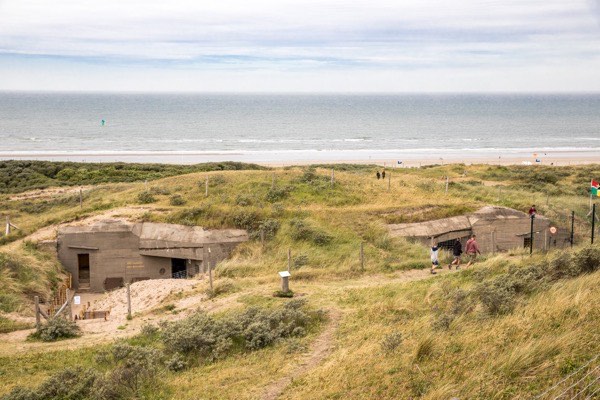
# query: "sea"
288 128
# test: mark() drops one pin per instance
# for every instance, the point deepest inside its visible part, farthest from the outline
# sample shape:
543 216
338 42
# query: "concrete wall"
506 234
117 255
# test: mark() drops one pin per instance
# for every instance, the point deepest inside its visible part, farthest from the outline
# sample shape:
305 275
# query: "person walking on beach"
378 175
472 249
456 253
434 257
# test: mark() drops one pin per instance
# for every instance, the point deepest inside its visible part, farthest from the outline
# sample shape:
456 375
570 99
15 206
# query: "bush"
276 194
249 220
269 226
243 200
391 342
146 198
132 367
176 363
177 200
300 261
159 191
302 231
56 329
203 335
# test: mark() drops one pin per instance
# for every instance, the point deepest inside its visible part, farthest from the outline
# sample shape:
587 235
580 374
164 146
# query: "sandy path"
319 350
99 331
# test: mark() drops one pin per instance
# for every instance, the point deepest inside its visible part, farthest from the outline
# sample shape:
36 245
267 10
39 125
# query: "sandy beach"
391 158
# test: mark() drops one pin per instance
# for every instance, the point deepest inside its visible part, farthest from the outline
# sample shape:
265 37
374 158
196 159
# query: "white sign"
553 230
284 274
76 300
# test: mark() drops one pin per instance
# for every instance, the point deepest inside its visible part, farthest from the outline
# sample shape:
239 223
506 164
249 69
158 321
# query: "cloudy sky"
309 45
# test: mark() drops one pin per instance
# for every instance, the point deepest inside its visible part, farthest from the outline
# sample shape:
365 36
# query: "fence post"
593 221
68 300
128 301
289 259
262 238
531 235
206 187
332 177
210 277
447 184
36 300
389 181
80 198
572 227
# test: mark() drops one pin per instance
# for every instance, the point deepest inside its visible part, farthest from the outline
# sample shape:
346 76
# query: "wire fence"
583 383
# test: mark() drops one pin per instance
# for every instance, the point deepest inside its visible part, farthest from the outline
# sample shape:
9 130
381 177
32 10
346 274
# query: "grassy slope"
515 354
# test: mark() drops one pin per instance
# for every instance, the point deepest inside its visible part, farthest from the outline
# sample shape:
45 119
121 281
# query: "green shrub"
243 200
300 260
159 191
391 342
245 219
205 336
56 329
300 230
176 200
146 198
176 363
277 194
268 226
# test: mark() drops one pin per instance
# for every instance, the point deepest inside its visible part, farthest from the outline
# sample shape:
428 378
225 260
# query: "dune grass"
439 338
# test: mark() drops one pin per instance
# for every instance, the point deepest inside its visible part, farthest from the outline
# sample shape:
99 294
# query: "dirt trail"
98 331
320 349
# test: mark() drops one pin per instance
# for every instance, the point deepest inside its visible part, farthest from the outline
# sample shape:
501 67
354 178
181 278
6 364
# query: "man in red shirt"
532 210
472 249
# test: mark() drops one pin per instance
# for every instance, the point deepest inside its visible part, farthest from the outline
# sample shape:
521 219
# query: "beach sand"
390 158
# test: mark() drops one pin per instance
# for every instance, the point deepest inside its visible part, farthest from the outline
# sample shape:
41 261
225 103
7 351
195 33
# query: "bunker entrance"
178 268
83 261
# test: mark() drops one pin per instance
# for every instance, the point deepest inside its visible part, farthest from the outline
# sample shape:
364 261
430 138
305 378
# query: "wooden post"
69 306
210 277
545 239
362 256
36 300
128 301
447 184
80 198
572 226
7 231
531 235
206 187
262 238
389 181
593 221
332 177
289 259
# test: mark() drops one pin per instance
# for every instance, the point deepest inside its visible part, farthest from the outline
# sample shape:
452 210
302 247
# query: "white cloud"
284 39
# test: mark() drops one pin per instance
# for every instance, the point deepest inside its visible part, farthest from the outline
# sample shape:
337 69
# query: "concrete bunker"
497 229
108 254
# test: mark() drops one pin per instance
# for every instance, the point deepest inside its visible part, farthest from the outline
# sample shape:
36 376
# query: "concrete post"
285 284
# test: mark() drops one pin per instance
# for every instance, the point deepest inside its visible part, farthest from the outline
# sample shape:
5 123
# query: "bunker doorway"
83 262
178 268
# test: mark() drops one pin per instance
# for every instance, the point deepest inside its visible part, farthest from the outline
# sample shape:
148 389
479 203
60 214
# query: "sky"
300 46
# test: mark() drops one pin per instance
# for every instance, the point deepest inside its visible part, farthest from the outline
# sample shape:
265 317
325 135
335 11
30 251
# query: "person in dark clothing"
456 253
532 210
378 175
383 174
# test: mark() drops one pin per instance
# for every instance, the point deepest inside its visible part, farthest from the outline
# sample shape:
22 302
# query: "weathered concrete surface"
145 250
497 229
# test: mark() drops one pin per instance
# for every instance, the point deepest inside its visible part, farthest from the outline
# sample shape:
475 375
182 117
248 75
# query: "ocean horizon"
297 127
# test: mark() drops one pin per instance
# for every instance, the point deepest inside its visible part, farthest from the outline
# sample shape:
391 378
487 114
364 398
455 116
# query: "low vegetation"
56 329
131 371
510 327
